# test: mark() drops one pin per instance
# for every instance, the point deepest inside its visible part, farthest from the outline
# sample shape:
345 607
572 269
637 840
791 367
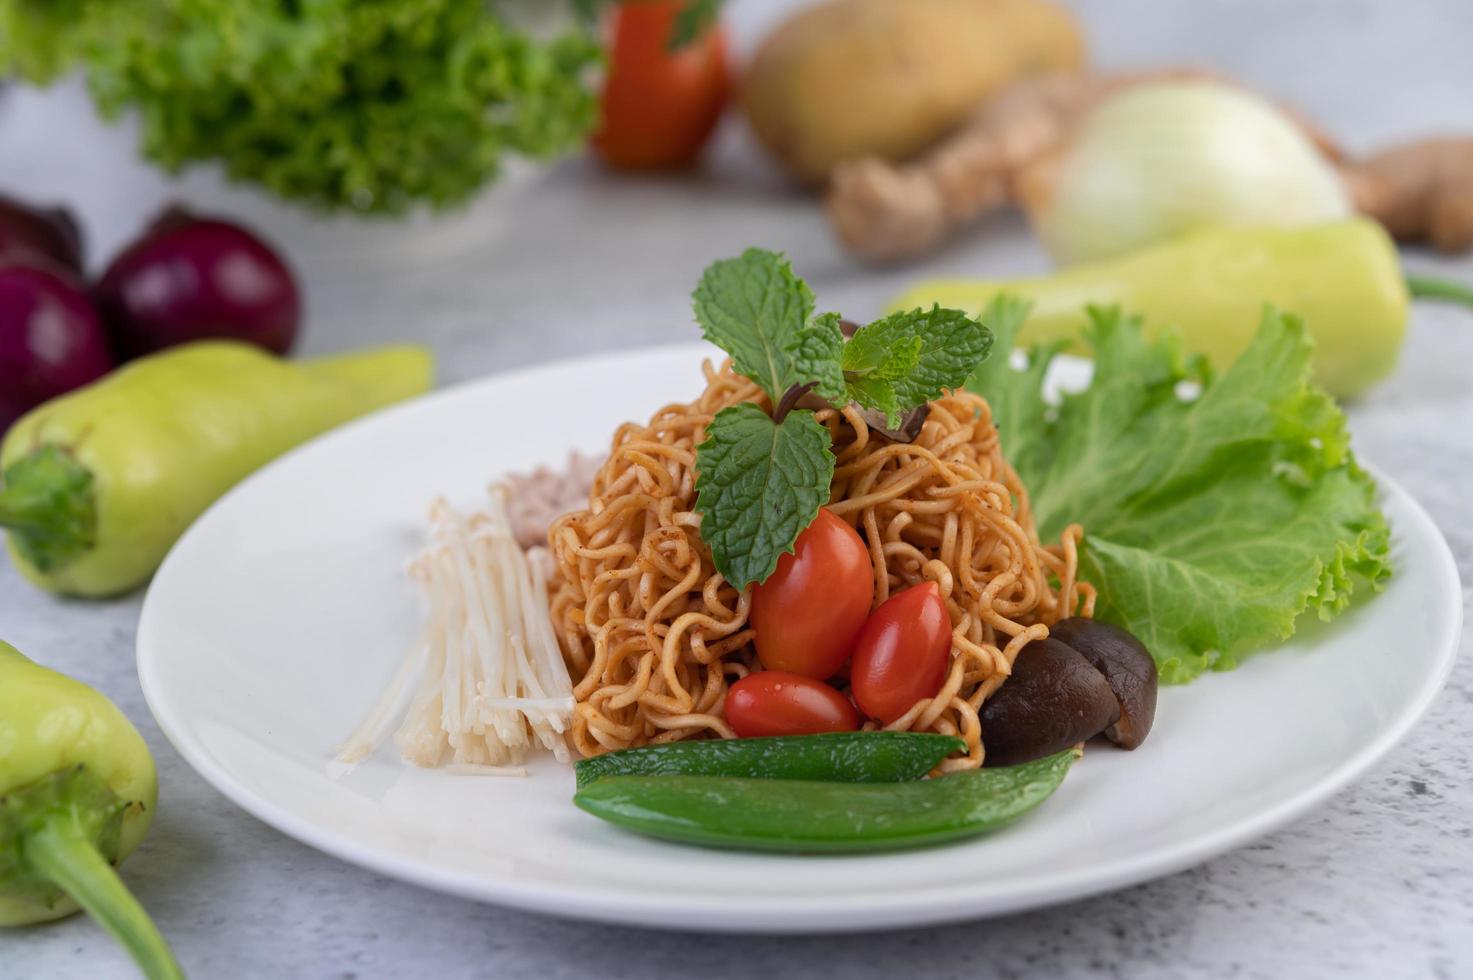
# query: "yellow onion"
1167 158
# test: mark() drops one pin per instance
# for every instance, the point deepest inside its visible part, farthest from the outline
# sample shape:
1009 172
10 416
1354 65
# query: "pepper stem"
61 851
47 502
1446 290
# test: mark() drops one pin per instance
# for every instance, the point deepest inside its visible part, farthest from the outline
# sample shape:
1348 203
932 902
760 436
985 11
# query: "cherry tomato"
902 653
772 702
811 608
659 106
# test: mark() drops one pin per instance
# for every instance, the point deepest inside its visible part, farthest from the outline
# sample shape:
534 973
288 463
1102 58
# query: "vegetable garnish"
371 107
841 757
762 478
1212 522
794 815
487 676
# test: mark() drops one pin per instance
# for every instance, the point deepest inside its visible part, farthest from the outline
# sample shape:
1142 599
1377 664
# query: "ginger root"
883 211
1420 192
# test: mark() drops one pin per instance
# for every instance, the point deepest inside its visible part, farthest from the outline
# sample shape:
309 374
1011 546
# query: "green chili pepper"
845 757
95 486
778 815
1343 278
77 792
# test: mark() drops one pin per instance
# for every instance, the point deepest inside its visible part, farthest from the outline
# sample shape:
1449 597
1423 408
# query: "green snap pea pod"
844 757
77 793
773 815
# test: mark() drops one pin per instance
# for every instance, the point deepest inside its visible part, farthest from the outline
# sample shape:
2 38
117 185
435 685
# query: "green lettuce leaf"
373 106
1215 516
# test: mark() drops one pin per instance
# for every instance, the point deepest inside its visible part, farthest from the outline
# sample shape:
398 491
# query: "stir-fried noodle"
653 635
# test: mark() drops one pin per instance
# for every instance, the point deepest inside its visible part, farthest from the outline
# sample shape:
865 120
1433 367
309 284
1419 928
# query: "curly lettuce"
1217 511
367 105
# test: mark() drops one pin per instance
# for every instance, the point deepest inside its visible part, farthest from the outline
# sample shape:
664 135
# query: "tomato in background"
811 608
659 106
772 702
902 653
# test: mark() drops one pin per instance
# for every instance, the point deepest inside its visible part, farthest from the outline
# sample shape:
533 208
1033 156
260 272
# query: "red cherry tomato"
659 106
902 654
811 608
772 702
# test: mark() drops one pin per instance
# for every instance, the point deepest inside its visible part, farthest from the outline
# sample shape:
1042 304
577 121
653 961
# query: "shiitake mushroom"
1053 699
1085 679
1128 667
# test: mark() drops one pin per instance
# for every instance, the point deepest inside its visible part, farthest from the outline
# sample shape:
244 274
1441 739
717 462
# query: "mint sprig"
760 479
755 308
915 354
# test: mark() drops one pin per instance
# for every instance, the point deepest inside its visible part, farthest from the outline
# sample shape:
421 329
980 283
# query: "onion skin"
51 338
1164 159
191 278
51 233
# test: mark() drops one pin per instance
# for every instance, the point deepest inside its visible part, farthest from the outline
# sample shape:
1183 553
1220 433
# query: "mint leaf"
952 344
758 485
1211 523
815 353
876 393
884 362
908 358
754 308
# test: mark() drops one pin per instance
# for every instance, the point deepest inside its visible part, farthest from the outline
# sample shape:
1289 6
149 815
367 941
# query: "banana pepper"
95 486
1344 279
78 790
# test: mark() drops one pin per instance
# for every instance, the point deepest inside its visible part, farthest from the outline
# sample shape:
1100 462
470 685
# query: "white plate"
275 622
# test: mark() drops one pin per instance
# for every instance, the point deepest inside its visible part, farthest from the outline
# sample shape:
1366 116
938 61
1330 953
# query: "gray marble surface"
1378 882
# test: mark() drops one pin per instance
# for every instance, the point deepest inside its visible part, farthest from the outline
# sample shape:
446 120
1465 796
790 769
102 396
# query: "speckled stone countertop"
1378 882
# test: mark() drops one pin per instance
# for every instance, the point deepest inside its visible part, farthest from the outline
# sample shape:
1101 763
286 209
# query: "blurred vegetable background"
1173 191
350 175
373 105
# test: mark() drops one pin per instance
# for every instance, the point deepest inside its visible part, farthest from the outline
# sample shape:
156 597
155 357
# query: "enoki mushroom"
485 680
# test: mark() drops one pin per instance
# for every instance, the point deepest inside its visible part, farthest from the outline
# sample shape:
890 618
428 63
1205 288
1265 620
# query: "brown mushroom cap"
1128 667
1053 699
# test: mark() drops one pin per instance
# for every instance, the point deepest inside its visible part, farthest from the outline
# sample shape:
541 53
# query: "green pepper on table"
1344 279
96 486
78 790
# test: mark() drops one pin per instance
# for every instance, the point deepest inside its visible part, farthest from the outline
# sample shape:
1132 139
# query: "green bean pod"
845 757
793 815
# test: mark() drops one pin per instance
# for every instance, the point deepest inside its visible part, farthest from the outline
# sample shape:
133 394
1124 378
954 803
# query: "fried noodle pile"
652 634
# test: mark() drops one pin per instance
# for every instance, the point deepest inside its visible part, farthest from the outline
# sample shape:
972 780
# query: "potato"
851 78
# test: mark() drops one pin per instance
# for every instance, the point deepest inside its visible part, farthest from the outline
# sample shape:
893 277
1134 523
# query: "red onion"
51 338
50 232
191 278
